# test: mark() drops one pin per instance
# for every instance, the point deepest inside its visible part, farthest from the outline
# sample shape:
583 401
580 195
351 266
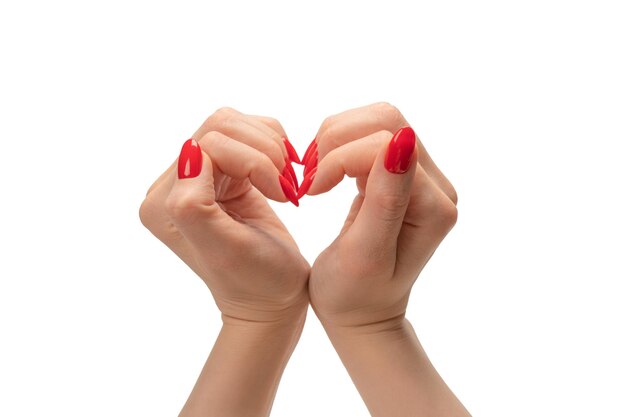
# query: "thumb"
191 202
387 195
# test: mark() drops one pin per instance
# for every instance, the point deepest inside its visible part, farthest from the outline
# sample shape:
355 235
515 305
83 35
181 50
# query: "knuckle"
446 186
275 153
226 111
443 212
147 213
380 138
268 152
182 209
453 195
327 122
448 213
388 114
223 115
259 161
327 138
326 129
152 216
330 134
274 124
265 162
213 137
276 137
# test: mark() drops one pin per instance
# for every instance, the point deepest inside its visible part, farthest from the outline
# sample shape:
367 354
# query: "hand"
404 208
210 208
220 224
360 285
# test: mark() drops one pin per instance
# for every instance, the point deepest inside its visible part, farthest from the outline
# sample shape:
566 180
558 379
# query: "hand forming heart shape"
210 207
215 210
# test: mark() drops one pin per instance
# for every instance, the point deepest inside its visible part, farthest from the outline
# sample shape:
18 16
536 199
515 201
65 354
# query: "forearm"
241 375
392 372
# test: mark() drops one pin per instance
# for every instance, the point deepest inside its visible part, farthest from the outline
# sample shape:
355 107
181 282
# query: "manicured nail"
288 190
190 160
290 174
308 151
287 175
291 151
400 151
306 183
311 162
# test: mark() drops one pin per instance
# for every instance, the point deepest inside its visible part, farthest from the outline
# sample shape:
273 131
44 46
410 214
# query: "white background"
522 105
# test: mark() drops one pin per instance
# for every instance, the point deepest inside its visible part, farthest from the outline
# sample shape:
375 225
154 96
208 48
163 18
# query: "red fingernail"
311 163
306 183
288 190
291 151
290 174
400 151
308 151
190 160
287 175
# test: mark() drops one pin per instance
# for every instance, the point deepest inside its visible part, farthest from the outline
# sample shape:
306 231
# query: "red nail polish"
400 150
287 175
190 160
311 163
291 151
310 149
288 190
306 183
290 174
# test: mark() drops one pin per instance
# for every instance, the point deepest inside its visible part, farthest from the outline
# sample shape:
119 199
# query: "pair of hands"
220 224
210 207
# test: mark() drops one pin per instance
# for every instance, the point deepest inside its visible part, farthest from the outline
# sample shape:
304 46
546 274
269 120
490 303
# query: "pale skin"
359 286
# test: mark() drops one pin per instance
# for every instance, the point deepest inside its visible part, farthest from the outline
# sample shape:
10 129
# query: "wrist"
269 315
279 330
389 328
362 321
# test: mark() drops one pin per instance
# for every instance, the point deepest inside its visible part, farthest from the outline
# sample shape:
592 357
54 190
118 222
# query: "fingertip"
400 153
306 183
288 190
291 151
309 150
289 173
190 160
319 179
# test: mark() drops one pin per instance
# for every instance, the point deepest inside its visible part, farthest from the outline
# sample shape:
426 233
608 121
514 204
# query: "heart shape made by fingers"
309 160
